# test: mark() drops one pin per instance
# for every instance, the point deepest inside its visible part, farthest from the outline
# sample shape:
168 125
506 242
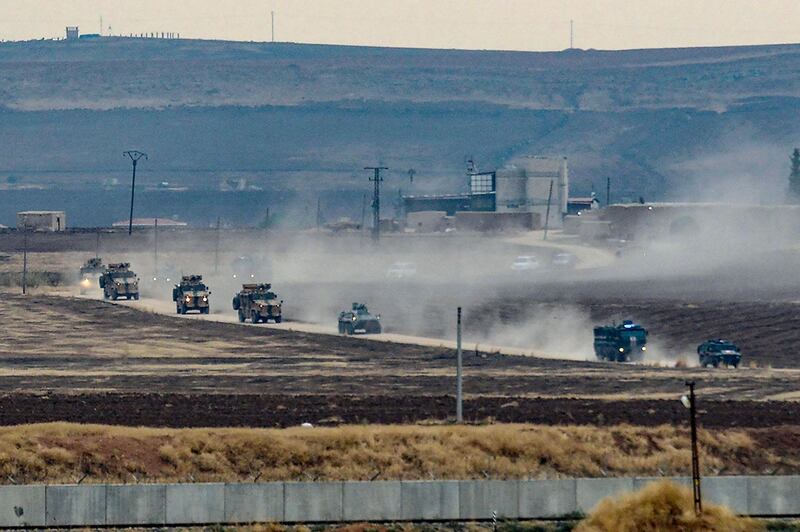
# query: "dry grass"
662 506
60 452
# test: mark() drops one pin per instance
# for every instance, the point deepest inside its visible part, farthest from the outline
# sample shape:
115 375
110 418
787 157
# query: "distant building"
42 220
522 186
72 33
151 222
527 184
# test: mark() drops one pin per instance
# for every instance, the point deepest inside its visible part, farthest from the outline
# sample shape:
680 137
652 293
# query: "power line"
377 179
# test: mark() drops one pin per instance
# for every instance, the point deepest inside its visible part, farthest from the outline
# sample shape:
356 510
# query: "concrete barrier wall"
448 500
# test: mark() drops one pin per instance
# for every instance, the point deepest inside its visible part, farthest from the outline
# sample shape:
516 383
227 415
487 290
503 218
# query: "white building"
42 220
524 186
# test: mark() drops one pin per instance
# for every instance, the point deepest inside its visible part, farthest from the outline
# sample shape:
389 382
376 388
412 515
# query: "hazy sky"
473 24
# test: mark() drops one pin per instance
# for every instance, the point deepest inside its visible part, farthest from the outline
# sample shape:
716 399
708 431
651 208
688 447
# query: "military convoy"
118 281
620 343
257 303
191 294
359 320
719 353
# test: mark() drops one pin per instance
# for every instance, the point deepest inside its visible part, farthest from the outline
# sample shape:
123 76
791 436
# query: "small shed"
42 220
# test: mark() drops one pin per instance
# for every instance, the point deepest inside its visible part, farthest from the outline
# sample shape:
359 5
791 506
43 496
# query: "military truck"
359 320
191 294
258 303
620 343
91 270
719 352
119 281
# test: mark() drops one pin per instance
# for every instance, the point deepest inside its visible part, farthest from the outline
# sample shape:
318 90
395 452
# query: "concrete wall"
184 504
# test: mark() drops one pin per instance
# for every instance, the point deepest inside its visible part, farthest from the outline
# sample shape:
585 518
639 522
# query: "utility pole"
134 156
547 216
459 398
319 213
608 191
25 258
571 34
273 25
97 245
376 200
216 249
698 500
155 248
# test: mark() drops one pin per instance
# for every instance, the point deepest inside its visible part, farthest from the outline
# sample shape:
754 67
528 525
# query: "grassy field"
60 452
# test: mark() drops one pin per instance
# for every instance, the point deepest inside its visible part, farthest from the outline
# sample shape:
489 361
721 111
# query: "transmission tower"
376 200
134 156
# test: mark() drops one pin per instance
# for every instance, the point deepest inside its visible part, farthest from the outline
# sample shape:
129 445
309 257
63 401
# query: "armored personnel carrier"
719 352
191 294
620 343
91 270
359 320
119 281
258 303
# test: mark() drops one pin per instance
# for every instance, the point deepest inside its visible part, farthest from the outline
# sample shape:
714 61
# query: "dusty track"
86 360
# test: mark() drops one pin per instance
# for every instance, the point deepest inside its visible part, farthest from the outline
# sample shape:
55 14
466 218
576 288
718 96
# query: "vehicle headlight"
188 298
354 318
644 348
205 298
621 350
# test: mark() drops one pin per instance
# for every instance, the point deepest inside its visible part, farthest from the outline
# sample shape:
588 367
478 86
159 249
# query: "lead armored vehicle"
359 320
90 272
620 343
719 352
258 303
191 294
119 281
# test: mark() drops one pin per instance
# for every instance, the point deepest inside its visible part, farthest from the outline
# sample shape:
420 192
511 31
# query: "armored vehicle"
257 303
620 343
119 281
92 269
719 352
191 294
359 320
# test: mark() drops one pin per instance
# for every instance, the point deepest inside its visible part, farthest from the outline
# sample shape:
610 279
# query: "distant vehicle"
258 303
401 270
525 263
91 271
564 260
620 343
119 281
719 352
191 294
359 320
244 267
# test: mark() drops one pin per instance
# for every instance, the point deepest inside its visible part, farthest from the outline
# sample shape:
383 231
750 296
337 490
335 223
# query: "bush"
662 506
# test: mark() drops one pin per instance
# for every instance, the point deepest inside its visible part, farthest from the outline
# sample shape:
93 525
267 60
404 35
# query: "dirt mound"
662 506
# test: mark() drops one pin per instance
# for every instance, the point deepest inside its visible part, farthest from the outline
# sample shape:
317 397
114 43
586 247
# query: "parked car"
525 263
401 270
564 260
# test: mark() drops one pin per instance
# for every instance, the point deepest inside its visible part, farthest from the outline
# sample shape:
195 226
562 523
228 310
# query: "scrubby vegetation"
663 506
60 452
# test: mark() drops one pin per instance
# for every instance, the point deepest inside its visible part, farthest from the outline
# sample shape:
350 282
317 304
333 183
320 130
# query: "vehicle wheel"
254 317
136 297
241 316
735 365
350 329
341 328
278 319
715 363
206 310
114 296
183 309
177 309
128 297
105 294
